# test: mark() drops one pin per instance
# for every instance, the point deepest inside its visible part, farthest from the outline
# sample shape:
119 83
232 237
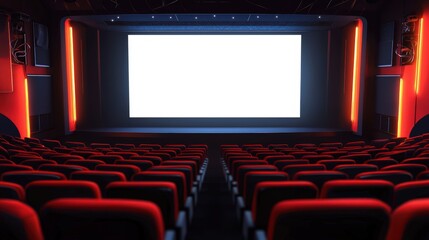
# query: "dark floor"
214 216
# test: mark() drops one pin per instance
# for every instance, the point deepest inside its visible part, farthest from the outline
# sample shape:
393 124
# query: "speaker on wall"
41 45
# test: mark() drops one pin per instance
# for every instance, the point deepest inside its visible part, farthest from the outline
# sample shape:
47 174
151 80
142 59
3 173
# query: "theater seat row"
168 176
260 177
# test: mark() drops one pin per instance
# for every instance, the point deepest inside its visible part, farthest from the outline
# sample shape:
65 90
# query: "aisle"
214 217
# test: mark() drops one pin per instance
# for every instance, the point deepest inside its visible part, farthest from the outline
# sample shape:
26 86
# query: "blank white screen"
181 76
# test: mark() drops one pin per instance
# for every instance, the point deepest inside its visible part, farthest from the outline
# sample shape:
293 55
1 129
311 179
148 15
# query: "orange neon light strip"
419 58
27 108
355 76
73 89
401 92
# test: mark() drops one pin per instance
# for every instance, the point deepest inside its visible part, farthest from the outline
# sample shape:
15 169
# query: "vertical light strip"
27 108
401 92
355 76
419 58
73 89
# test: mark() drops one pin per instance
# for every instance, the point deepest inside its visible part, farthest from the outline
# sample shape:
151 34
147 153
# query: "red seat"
19 221
13 167
334 219
40 192
293 169
381 163
35 163
407 191
280 164
13 191
267 194
127 170
88 219
354 169
377 189
410 221
25 177
67 170
359 158
251 179
393 176
163 194
90 164
178 178
141 164
109 159
413 168
319 177
331 164
101 178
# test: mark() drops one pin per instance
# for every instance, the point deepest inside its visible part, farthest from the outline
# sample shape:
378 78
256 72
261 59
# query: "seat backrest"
178 178
268 193
127 170
410 221
13 191
334 219
354 169
407 191
109 159
377 189
331 164
67 170
319 177
413 168
142 164
35 163
101 178
251 179
293 169
280 164
107 219
19 221
359 158
25 177
163 194
186 170
381 163
244 169
393 176
90 164
13 167
40 192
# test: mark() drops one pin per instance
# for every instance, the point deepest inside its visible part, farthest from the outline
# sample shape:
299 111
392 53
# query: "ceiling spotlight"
196 18
277 16
320 17
171 17
112 20
214 15
117 17
233 17
153 17
257 16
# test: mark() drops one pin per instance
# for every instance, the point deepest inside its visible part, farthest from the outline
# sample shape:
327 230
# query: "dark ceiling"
325 7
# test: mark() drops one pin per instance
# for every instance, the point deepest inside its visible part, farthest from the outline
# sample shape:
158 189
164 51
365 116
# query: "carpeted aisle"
214 216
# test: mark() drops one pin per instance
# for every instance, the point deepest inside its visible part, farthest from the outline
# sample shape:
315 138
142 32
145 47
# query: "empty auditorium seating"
101 178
